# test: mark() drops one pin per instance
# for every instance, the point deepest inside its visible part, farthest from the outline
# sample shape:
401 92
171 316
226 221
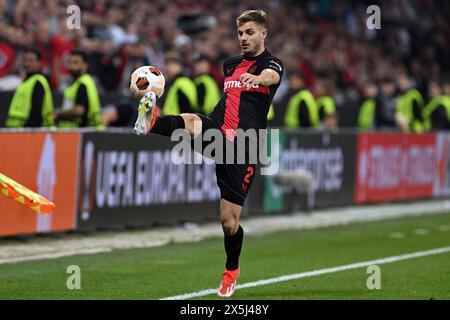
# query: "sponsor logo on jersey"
236 84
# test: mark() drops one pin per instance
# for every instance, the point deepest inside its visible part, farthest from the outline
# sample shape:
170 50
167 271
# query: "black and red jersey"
245 107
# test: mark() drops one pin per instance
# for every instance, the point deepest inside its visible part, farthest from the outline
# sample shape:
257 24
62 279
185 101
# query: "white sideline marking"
397 235
55 255
421 232
316 272
50 248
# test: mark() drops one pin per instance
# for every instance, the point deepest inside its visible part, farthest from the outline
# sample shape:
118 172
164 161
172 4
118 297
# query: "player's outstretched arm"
267 78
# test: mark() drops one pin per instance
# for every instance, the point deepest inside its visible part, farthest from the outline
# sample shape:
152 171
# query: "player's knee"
192 123
229 221
229 217
229 226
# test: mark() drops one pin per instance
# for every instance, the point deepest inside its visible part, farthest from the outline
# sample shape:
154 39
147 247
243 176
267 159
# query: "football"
145 79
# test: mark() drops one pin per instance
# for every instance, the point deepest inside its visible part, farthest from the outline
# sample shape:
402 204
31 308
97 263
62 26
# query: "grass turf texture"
189 267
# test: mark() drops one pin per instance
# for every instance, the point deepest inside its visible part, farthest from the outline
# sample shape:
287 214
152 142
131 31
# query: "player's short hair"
81 54
256 16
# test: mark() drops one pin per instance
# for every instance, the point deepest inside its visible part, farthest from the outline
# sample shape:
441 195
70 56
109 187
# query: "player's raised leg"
233 236
150 121
147 114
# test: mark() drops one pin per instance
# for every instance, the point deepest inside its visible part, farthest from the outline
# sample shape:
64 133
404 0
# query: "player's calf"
233 246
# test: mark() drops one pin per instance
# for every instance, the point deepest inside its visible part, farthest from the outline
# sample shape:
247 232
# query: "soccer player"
251 80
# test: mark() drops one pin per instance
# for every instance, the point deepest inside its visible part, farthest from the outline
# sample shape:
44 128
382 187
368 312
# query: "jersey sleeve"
274 64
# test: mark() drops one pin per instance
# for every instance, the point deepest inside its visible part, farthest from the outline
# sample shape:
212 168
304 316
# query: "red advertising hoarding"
442 181
46 163
395 166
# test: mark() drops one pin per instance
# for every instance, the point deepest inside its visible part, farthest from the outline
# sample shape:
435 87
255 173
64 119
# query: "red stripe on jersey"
233 91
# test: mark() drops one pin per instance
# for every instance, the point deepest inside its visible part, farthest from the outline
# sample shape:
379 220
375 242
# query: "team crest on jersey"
252 68
230 71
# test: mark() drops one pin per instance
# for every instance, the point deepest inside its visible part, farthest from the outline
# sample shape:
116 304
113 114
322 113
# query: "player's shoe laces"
147 113
228 284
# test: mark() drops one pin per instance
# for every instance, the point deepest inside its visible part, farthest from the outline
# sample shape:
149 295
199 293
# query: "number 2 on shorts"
246 182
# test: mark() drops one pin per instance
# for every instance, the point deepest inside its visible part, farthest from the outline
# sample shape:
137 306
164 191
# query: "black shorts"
234 180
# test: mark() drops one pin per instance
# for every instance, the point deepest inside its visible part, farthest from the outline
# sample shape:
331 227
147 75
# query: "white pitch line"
421 232
55 255
316 272
396 235
42 249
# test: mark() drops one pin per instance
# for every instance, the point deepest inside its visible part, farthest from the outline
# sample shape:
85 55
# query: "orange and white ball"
145 79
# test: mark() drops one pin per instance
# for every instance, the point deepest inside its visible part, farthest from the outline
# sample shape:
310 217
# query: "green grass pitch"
175 269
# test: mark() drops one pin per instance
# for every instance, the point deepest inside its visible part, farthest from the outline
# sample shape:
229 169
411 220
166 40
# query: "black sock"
233 245
166 125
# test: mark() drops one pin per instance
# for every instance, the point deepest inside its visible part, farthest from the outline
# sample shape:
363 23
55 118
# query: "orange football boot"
228 284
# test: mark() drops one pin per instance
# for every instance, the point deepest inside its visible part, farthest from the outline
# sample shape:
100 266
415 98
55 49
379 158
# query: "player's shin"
233 245
166 125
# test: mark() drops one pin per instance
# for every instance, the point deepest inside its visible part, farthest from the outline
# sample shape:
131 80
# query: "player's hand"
248 80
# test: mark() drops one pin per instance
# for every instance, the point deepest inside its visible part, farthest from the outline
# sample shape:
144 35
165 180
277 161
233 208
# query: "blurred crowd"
325 45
